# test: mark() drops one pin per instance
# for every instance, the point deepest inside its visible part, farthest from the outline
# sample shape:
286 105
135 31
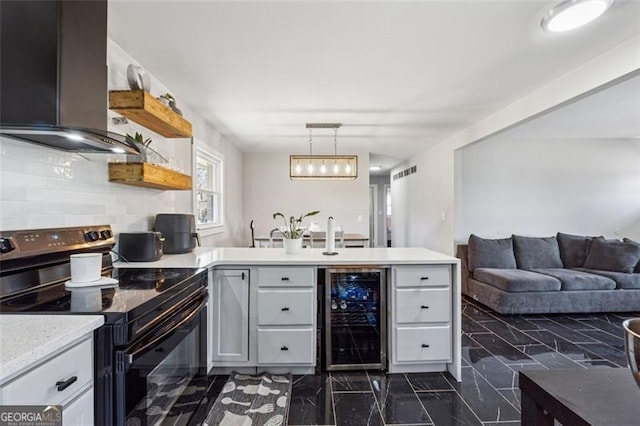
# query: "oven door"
164 367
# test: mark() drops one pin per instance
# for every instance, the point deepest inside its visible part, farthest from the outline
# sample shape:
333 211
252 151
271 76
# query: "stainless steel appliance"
355 319
179 231
140 246
150 356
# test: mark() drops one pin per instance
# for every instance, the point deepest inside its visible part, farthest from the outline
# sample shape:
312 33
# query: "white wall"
268 189
419 204
540 187
41 187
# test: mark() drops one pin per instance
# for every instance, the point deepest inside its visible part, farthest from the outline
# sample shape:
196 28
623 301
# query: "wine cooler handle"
424 345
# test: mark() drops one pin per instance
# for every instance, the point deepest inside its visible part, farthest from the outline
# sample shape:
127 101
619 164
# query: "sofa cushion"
536 252
573 280
486 253
623 280
516 280
637 268
613 255
573 249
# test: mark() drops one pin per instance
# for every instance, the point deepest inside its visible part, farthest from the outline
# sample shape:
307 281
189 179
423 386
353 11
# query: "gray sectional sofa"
560 274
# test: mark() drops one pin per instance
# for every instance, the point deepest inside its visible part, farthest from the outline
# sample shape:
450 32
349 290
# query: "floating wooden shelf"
148 175
144 109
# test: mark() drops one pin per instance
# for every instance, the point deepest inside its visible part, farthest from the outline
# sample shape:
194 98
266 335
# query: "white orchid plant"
293 227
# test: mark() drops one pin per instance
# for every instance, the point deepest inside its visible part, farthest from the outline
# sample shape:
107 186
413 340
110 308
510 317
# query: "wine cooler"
355 319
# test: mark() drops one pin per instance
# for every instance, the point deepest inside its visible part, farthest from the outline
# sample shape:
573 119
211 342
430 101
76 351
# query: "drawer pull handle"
424 345
424 307
285 309
285 278
424 278
62 385
284 348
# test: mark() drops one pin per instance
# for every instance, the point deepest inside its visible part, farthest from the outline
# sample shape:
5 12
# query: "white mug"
86 267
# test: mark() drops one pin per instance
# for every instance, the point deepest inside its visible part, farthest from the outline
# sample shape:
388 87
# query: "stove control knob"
5 245
91 236
105 234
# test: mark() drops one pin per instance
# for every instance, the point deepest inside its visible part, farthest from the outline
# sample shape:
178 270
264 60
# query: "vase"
292 246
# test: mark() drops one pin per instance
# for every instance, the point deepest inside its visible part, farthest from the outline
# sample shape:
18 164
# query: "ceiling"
399 75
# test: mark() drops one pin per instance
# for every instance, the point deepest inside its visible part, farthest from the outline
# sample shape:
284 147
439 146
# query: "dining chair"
319 239
276 238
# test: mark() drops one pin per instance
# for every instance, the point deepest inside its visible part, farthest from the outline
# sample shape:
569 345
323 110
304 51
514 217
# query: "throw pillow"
613 255
486 253
637 268
536 252
573 249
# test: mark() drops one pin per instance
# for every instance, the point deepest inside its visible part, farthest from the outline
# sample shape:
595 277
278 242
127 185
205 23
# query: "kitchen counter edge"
209 256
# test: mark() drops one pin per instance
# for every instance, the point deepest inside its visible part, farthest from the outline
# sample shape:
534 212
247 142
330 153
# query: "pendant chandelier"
323 167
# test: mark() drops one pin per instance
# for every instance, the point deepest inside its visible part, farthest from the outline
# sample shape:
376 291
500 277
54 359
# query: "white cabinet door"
229 315
80 411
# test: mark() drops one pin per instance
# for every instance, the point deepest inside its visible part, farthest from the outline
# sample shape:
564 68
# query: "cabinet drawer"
286 307
423 344
80 411
286 346
285 277
422 305
38 386
423 276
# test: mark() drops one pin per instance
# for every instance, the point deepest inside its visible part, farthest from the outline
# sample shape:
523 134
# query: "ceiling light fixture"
572 14
344 167
375 168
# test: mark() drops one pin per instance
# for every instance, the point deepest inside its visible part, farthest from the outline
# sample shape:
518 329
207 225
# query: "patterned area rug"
260 400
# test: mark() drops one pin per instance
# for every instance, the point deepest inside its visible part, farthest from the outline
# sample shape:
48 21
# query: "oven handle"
131 357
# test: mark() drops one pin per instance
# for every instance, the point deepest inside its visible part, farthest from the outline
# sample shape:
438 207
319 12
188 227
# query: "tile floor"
494 349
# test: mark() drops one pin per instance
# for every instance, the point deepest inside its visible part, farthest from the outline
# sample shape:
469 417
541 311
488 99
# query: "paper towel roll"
331 236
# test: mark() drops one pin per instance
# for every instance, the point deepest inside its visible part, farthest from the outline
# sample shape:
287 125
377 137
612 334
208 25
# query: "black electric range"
154 338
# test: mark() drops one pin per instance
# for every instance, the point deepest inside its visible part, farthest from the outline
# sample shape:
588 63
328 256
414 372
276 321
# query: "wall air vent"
406 172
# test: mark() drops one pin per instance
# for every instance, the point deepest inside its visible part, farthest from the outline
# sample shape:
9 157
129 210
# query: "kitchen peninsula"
249 330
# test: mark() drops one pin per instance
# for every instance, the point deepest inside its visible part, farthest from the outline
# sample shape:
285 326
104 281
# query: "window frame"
204 151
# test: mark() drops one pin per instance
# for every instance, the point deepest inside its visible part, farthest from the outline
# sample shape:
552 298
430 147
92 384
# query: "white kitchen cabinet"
287 308
229 315
63 379
421 325
80 411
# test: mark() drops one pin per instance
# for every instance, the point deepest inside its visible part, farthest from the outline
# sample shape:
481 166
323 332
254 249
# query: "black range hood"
53 75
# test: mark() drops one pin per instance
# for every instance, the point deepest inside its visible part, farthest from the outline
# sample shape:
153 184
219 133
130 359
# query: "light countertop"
25 340
209 256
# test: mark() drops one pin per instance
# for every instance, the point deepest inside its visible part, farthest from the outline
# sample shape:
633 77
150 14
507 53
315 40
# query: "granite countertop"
25 340
210 256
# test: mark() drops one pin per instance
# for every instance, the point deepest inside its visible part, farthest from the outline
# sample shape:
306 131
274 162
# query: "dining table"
350 240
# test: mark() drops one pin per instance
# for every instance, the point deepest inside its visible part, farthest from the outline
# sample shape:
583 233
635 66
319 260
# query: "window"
208 190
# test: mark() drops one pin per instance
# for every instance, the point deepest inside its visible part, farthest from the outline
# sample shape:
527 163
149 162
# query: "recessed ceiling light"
572 14
375 168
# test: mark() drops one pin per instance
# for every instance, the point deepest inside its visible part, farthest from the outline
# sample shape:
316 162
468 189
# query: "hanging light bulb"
347 168
310 166
298 168
323 168
336 169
